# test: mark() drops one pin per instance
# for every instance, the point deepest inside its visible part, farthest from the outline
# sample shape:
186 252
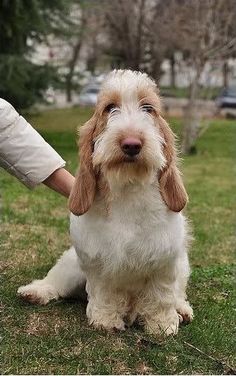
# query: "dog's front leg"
106 305
156 304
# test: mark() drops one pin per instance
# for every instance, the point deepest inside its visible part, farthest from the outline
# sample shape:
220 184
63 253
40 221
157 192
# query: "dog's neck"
113 192
120 180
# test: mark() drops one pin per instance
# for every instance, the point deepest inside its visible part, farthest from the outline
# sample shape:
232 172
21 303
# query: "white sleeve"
23 152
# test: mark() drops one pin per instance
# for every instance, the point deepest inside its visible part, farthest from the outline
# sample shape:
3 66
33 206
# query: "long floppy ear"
170 181
83 190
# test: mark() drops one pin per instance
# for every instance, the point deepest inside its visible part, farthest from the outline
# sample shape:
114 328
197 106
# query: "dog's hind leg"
65 279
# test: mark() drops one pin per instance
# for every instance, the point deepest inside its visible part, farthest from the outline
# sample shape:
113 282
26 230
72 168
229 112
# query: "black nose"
131 146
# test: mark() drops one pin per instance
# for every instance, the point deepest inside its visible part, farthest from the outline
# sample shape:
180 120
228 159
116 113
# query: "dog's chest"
138 234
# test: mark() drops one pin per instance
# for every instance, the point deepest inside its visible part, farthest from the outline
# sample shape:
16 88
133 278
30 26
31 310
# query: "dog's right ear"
83 190
171 185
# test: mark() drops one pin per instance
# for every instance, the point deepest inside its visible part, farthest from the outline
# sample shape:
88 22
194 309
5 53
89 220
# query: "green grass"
183 92
56 339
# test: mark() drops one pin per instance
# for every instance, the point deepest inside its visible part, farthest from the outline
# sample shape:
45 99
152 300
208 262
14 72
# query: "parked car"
88 95
227 98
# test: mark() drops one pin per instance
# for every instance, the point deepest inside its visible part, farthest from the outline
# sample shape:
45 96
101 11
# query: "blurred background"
56 53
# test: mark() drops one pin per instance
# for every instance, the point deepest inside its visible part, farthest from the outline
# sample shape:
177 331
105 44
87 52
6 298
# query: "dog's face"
128 147
127 141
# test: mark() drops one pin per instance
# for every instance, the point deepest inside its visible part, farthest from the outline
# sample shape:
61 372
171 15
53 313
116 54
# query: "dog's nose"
131 146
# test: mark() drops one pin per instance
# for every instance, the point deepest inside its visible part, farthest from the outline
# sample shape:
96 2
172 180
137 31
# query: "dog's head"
127 141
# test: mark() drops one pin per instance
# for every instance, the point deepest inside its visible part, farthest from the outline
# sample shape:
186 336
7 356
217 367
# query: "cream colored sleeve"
23 152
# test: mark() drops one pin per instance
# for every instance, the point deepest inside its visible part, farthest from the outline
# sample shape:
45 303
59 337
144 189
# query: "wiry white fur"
127 83
65 279
140 255
131 121
134 259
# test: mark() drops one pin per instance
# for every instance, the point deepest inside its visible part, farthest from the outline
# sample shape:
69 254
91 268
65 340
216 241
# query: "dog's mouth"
133 162
130 159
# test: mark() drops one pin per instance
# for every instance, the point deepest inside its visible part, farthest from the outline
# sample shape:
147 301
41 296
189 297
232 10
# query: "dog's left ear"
83 190
170 182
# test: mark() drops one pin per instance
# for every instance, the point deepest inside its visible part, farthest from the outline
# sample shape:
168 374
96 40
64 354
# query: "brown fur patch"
149 96
171 184
83 190
106 98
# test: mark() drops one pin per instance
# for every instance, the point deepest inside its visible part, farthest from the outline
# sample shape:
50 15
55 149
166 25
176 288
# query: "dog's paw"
163 326
101 319
118 325
38 292
185 312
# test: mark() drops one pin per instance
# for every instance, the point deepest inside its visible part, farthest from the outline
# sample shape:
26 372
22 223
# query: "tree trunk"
138 48
191 119
172 71
75 54
71 66
68 88
225 74
156 71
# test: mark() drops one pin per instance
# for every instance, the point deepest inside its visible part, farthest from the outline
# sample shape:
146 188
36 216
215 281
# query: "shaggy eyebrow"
149 97
148 101
110 98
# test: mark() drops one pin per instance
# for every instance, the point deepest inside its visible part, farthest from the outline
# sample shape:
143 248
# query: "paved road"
171 106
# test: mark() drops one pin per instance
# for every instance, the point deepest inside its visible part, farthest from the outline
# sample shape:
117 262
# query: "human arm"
60 181
27 156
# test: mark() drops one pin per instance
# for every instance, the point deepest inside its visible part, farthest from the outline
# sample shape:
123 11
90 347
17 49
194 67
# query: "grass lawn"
56 339
182 92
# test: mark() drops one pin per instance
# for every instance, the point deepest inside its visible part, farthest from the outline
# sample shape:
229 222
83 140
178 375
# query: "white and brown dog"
130 238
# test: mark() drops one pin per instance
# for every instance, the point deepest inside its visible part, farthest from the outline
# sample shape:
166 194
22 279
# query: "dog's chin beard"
133 159
129 170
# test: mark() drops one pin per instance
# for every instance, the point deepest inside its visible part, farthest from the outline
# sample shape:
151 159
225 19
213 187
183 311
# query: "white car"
88 95
227 98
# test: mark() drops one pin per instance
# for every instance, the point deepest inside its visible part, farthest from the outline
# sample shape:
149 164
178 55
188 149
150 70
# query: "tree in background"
138 33
204 31
161 45
135 34
74 38
22 23
87 24
126 25
142 33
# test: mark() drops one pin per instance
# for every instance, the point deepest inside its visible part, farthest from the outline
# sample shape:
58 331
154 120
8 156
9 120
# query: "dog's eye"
147 108
110 108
